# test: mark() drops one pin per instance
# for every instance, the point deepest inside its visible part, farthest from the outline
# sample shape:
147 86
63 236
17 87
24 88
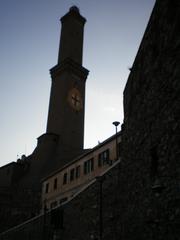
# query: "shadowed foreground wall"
151 131
123 216
78 219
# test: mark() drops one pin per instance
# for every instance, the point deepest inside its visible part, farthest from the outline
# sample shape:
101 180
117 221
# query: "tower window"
47 188
65 179
55 183
103 158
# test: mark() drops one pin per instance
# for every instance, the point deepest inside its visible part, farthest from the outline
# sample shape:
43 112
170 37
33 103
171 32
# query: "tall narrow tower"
67 99
64 136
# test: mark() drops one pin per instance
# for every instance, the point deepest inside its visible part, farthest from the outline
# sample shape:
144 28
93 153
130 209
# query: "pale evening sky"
29 44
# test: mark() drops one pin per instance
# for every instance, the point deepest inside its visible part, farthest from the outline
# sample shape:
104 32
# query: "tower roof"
75 13
74 8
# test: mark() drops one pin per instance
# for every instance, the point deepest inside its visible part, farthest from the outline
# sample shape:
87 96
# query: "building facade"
63 184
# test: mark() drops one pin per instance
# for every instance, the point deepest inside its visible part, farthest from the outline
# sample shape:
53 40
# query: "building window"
72 174
85 168
65 179
47 188
103 158
89 166
55 183
78 169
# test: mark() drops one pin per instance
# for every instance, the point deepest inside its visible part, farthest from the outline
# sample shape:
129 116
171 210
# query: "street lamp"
116 124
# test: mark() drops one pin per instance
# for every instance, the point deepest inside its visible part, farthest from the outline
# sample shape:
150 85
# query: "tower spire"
72 31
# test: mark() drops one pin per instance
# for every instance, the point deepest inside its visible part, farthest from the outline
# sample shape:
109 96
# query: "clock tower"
67 99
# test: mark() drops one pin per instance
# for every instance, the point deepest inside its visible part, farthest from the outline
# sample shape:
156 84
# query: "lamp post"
116 124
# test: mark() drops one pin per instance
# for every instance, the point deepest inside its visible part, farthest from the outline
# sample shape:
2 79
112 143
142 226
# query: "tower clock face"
75 99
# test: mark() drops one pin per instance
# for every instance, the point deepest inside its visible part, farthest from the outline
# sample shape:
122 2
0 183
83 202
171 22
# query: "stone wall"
17 205
151 130
89 215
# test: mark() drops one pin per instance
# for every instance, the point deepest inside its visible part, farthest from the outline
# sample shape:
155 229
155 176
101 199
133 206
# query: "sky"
30 33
